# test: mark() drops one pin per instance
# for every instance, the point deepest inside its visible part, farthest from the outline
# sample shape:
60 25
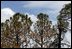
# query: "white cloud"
33 18
52 7
6 13
46 4
54 22
67 39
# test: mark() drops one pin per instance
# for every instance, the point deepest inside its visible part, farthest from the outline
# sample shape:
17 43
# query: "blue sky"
51 8
18 6
32 8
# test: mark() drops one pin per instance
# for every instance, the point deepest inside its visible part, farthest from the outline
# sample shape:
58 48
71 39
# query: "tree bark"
59 45
41 38
41 41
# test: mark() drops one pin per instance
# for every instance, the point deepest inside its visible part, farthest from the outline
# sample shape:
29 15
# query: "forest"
16 32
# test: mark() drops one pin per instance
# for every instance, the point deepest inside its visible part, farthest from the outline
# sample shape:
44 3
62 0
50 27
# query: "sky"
32 8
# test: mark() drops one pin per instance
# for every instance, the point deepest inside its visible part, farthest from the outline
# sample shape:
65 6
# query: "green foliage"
63 23
20 24
42 16
63 17
15 26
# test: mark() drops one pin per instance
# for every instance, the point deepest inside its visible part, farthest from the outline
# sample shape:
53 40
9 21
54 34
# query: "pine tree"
43 30
65 15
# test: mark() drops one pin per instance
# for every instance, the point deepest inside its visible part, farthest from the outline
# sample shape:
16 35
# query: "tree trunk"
59 45
41 41
17 40
41 38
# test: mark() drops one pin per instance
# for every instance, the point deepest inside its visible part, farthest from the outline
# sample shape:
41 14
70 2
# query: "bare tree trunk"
59 45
